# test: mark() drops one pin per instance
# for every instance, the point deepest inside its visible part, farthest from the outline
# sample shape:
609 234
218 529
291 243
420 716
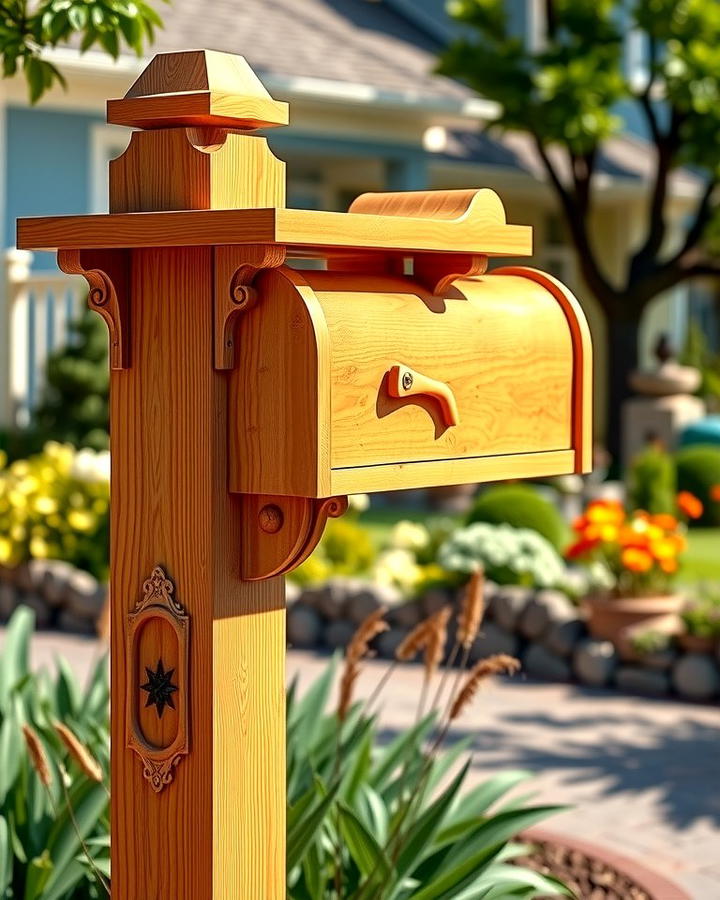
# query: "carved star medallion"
159 688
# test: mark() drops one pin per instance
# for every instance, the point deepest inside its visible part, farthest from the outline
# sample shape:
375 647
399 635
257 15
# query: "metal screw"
407 381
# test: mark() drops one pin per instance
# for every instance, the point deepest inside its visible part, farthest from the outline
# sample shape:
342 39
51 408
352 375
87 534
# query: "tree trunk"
623 356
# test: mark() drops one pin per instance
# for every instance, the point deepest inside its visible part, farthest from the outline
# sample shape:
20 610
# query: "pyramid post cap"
198 88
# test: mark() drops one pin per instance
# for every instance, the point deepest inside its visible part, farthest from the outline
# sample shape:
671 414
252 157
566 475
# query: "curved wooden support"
437 271
235 269
107 275
279 533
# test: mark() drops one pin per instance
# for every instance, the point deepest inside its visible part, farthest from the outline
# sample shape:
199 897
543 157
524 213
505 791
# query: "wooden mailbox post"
248 399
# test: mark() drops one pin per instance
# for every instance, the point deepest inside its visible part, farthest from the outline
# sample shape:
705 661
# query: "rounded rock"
39 606
8 600
406 615
55 579
563 637
435 599
594 662
494 639
329 598
304 626
508 605
389 641
639 680
540 663
696 676
365 597
337 634
85 595
545 609
73 624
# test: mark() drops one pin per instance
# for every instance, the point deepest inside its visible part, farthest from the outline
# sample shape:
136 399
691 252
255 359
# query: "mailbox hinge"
235 267
279 533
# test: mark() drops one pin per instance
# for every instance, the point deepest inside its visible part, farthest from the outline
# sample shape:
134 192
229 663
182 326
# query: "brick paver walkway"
642 776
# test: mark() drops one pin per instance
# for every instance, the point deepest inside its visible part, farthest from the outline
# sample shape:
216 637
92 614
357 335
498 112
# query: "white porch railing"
36 309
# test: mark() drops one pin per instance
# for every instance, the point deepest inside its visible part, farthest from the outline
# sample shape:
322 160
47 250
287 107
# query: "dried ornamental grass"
436 640
499 664
79 752
471 610
357 649
413 642
38 757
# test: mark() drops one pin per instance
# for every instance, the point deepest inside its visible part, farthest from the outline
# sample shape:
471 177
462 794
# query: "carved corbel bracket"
107 275
279 533
437 271
235 268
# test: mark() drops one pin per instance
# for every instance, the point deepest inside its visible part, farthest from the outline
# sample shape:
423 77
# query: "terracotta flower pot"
611 618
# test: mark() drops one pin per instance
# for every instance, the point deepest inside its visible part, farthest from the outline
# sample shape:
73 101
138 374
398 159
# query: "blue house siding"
48 166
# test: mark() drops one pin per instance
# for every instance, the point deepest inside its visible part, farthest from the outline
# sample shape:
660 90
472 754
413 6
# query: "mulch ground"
588 878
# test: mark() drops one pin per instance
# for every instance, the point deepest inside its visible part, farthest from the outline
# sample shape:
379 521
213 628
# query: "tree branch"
666 147
576 206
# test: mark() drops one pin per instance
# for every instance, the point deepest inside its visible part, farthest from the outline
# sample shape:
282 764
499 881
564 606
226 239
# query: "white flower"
90 466
359 502
398 568
408 535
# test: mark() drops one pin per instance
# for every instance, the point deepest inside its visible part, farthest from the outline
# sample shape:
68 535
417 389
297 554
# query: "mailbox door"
485 370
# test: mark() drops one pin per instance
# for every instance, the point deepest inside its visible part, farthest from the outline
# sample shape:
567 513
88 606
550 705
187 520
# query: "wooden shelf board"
307 231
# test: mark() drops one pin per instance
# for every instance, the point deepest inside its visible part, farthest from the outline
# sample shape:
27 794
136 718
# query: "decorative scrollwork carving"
167 690
106 272
235 268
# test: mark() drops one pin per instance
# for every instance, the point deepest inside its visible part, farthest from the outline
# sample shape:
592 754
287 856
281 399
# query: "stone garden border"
542 627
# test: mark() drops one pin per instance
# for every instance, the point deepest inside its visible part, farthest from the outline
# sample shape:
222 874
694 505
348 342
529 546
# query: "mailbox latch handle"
406 382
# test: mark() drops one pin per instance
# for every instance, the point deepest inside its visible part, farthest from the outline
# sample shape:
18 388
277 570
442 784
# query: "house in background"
367 113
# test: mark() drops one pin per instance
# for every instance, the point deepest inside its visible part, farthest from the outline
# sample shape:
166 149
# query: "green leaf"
306 830
420 835
14 656
6 856
477 801
397 752
38 874
67 691
89 802
364 849
12 751
505 879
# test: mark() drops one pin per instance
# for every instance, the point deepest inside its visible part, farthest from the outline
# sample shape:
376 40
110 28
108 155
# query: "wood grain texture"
280 387
582 400
173 169
310 232
218 830
404 476
501 345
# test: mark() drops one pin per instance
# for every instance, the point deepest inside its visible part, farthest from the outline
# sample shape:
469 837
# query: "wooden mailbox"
248 399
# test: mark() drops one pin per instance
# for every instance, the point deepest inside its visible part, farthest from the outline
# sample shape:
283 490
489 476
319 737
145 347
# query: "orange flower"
715 493
689 505
665 521
636 560
669 566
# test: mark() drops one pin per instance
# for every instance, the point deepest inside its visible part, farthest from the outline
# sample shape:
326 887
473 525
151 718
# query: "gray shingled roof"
357 41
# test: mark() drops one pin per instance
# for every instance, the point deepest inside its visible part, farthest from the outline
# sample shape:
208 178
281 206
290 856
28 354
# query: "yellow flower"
45 505
665 548
81 520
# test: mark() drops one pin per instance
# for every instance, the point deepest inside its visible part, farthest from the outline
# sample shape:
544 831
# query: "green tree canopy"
27 28
565 94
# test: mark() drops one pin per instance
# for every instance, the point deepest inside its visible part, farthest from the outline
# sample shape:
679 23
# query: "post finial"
198 88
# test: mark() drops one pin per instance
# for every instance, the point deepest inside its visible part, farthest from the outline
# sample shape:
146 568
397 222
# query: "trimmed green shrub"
698 471
507 555
653 482
521 506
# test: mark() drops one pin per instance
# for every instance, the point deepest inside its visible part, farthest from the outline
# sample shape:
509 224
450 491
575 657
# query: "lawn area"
702 560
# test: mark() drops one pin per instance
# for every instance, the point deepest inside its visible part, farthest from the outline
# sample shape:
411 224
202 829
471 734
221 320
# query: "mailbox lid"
498 348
